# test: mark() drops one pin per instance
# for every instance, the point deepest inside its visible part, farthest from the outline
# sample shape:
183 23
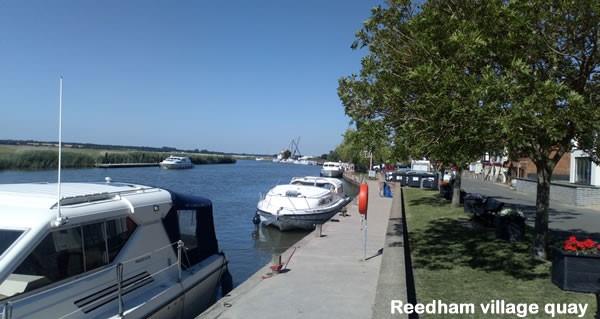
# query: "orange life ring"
363 198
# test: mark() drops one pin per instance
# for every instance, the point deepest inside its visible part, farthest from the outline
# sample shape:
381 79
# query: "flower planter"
579 273
510 228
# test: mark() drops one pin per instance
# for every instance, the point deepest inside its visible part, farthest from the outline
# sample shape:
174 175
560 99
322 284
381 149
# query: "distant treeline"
121 147
48 159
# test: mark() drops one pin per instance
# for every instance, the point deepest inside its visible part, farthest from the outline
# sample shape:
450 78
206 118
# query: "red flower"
568 246
584 246
588 244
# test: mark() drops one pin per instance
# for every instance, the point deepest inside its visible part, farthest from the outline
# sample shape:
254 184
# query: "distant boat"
332 169
177 162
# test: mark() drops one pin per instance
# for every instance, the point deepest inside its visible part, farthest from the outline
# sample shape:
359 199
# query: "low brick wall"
576 195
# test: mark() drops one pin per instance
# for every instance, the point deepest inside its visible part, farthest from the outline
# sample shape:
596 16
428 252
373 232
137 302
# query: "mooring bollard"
276 263
319 230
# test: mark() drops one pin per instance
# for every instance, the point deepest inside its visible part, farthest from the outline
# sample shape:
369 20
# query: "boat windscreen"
7 238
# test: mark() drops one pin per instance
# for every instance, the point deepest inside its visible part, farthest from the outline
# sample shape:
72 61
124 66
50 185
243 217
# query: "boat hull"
331 173
305 221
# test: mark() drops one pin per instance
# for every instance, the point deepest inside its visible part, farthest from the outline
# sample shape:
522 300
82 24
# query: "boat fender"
256 219
363 199
226 282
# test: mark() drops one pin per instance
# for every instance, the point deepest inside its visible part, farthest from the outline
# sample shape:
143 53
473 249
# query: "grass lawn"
454 262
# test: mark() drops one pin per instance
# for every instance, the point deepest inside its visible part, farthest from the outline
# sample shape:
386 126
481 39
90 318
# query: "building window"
583 170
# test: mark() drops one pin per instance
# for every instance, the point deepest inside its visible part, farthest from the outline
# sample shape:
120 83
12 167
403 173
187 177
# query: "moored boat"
333 184
332 169
106 250
298 206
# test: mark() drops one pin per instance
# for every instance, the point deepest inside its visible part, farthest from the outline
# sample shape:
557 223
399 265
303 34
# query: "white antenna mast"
60 220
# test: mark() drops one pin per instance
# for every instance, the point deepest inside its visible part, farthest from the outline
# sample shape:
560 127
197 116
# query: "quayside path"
326 276
564 218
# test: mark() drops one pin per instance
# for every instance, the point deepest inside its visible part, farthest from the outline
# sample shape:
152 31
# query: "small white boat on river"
332 169
177 162
294 206
106 250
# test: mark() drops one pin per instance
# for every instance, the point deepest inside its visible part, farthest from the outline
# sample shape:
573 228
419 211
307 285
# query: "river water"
234 190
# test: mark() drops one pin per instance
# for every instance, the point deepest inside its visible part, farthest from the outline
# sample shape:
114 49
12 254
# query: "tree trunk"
456 188
440 178
542 204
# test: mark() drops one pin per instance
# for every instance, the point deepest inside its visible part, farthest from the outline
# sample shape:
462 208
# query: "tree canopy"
451 80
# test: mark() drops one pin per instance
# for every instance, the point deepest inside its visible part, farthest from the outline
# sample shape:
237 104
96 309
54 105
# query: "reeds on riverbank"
48 159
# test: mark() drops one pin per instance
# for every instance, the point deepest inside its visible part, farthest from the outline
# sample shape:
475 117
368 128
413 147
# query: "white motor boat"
298 206
106 250
333 184
332 169
177 162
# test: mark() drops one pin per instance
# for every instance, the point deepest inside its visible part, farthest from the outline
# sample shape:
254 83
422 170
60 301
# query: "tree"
546 86
453 80
422 78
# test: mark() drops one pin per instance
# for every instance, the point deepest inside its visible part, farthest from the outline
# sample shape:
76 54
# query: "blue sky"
234 76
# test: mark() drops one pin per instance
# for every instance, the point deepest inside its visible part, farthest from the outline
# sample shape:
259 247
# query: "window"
583 170
7 238
187 228
65 253
95 246
117 233
58 256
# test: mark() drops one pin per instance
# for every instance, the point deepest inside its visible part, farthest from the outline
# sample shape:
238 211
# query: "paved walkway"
562 217
327 277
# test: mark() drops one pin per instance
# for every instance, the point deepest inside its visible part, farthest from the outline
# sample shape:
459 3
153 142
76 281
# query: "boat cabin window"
187 228
7 238
68 252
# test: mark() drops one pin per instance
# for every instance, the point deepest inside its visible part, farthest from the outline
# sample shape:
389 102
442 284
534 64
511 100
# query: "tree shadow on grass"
448 243
436 201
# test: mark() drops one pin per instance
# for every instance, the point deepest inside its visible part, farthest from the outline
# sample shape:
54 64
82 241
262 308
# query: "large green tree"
547 86
455 79
422 77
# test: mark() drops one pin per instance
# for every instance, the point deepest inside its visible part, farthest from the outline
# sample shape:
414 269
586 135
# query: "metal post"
7 311
120 288
318 230
365 240
179 249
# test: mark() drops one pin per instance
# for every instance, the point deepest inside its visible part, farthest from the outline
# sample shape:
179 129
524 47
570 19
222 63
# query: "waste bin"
429 180
413 179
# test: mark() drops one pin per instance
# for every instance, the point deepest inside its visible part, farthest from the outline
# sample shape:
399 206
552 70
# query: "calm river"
233 188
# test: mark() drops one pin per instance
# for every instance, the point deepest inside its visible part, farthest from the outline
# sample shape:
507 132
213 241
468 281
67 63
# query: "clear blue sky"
234 76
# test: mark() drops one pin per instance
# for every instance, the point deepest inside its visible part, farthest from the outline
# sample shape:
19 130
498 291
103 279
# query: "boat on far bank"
177 162
332 169
295 206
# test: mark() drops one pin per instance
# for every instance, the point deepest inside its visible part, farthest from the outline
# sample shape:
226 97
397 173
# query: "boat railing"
119 270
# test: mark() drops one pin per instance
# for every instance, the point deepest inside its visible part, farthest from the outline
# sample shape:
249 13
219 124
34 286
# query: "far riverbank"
34 158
